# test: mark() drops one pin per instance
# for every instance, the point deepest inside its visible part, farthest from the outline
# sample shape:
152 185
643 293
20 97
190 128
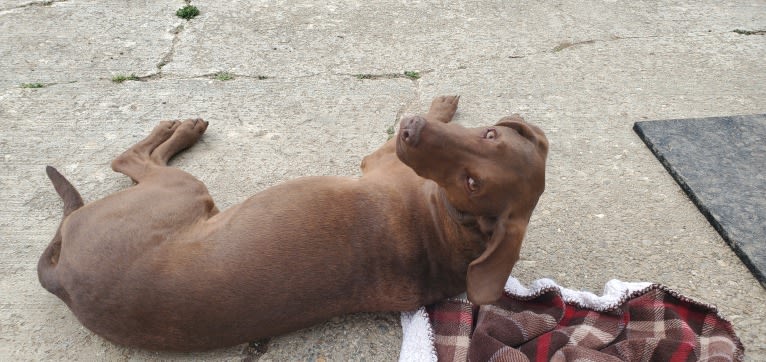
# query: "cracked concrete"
6 6
296 107
168 57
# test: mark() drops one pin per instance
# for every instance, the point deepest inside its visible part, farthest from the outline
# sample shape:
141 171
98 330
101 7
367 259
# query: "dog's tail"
46 271
72 199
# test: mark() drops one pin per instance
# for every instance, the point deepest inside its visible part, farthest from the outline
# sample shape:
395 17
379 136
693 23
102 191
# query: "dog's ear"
489 272
526 130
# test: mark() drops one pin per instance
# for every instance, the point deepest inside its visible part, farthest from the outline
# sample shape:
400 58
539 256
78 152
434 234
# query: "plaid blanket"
633 322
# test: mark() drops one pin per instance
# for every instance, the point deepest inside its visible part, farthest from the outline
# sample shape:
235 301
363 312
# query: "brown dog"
157 266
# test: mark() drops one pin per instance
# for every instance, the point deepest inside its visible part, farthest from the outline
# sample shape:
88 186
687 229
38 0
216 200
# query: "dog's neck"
459 241
466 226
458 216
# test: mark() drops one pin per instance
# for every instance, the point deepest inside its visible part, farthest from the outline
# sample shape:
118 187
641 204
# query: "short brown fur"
438 209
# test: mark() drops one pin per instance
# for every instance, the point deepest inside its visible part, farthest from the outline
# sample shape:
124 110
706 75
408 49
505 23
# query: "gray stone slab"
720 162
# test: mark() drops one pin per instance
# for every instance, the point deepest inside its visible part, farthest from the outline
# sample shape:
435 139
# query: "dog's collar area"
461 217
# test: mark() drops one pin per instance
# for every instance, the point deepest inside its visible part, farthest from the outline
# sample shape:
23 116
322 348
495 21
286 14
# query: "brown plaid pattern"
655 324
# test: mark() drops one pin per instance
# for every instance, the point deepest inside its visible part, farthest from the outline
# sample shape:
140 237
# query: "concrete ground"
584 71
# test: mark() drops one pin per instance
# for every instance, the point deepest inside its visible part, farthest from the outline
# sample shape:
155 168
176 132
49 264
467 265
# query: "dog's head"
495 174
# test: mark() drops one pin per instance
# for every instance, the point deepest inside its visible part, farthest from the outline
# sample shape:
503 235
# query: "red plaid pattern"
654 324
455 320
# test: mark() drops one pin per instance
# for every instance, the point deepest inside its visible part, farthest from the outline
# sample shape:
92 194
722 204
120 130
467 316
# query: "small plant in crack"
224 76
364 76
119 78
390 131
32 85
187 12
412 74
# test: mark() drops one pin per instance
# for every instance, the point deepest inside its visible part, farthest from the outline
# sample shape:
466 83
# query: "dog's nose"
410 128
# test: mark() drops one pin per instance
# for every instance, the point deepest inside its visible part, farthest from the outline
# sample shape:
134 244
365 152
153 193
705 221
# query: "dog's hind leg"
166 140
136 160
184 137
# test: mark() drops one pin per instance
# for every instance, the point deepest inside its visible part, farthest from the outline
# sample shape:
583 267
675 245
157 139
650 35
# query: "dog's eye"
490 134
472 184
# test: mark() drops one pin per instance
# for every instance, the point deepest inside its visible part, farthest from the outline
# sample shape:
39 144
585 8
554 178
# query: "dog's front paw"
443 108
